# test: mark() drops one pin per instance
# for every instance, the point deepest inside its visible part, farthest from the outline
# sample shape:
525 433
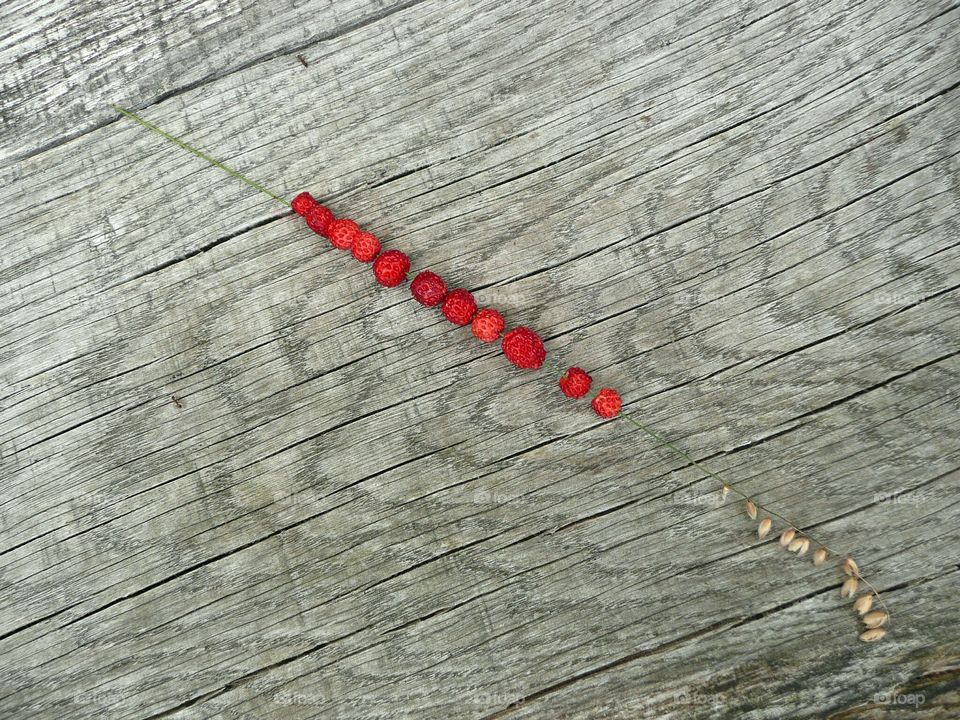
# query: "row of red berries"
521 345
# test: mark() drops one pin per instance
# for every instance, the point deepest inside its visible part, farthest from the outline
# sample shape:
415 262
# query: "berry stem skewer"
526 350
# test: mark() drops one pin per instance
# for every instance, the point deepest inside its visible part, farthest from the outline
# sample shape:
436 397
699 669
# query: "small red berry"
607 403
342 233
302 203
575 382
487 325
391 268
524 348
319 219
428 288
365 247
459 307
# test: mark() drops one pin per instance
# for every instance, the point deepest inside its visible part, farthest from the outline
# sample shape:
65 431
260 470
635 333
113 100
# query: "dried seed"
850 567
786 537
873 635
764 528
795 544
849 587
751 509
875 619
804 546
724 492
863 604
819 557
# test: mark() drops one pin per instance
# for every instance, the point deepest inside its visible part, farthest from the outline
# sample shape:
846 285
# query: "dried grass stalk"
764 528
849 587
820 557
786 537
752 509
873 635
875 619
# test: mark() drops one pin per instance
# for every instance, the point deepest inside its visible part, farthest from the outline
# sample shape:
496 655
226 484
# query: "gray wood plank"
67 62
744 217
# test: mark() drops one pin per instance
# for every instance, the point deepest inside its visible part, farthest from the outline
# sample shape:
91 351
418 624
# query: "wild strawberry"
459 307
319 219
487 325
428 288
365 247
524 348
575 382
607 403
342 233
302 203
391 268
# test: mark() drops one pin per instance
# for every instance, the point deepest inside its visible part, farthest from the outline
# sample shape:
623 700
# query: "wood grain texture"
242 480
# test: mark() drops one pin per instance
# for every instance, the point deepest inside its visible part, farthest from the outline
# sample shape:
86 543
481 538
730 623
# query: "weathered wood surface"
743 215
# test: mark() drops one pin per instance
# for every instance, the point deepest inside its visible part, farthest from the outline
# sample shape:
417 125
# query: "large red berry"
524 348
365 247
459 307
342 233
428 288
607 403
575 382
487 325
319 219
302 203
391 268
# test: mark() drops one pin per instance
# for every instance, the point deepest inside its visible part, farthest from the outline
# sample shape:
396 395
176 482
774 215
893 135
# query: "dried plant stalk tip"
786 537
752 509
863 604
849 587
764 528
873 635
875 619
850 567
819 557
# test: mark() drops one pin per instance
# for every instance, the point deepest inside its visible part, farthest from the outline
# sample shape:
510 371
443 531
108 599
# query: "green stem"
200 154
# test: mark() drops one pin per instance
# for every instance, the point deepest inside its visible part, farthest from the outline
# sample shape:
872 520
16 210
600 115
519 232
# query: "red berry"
342 233
607 403
459 307
524 348
391 268
575 382
319 219
366 247
487 325
428 288
302 203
